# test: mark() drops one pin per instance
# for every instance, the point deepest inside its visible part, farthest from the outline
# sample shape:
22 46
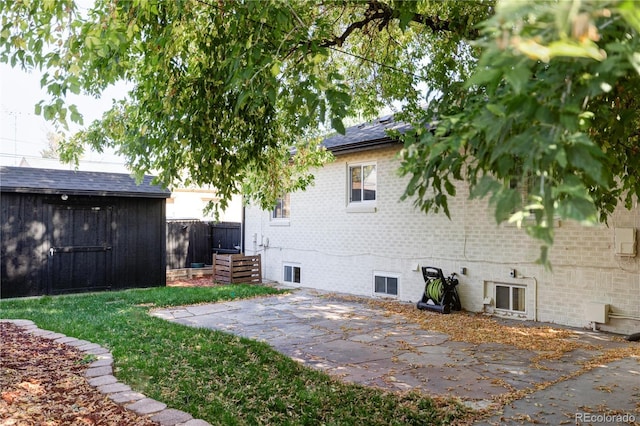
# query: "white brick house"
342 233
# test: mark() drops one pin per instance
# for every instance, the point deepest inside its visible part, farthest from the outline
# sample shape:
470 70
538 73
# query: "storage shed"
69 231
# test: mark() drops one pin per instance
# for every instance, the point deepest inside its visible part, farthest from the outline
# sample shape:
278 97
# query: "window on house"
524 187
527 188
386 285
510 298
291 274
362 183
282 209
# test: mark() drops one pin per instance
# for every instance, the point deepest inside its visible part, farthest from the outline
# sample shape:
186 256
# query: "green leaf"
540 232
518 76
573 187
76 117
405 17
486 185
544 257
336 123
275 69
561 157
498 110
484 76
506 202
451 189
578 209
584 159
631 13
49 112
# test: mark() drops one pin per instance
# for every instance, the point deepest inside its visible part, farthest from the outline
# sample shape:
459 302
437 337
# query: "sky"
23 134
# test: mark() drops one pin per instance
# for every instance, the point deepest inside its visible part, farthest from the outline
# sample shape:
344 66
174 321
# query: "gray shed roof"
369 135
49 181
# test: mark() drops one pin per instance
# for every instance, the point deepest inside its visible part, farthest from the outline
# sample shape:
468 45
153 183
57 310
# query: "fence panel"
226 237
188 241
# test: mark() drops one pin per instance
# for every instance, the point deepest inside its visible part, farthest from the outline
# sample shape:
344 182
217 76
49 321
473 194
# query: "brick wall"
338 250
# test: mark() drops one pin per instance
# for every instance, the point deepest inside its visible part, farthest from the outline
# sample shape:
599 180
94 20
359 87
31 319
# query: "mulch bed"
192 282
42 383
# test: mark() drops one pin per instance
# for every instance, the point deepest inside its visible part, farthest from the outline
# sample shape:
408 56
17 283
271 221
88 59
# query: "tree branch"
382 13
370 15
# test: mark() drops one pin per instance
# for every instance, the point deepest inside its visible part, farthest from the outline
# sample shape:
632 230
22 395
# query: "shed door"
80 253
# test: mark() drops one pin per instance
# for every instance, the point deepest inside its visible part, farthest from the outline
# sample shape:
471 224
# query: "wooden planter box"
237 268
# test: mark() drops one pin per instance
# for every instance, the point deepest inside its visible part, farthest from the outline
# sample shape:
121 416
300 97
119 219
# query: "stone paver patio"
356 342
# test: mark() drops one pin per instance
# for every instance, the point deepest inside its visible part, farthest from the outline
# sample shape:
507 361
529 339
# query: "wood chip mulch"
42 383
192 282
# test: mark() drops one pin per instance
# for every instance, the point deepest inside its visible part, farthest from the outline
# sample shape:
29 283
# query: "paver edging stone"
114 388
100 376
103 380
171 417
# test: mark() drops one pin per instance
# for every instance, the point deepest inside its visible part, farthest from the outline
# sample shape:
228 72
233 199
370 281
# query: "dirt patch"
42 383
192 282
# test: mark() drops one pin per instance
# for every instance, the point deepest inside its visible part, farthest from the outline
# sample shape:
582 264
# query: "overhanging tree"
223 89
548 125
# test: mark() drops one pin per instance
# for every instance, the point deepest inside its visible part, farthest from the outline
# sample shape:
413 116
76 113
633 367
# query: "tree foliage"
524 98
547 126
53 145
223 89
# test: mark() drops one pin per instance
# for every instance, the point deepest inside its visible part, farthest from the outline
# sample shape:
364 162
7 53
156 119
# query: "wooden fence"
188 241
226 237
193 241
237 268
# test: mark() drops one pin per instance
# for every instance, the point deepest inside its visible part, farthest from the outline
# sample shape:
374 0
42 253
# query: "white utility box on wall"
597 312
625 241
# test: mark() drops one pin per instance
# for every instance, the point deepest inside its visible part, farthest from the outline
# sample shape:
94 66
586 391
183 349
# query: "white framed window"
510 298
291 273
525 188
386 283
362 183
282 209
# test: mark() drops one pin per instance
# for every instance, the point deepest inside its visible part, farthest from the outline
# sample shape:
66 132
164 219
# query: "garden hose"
434 290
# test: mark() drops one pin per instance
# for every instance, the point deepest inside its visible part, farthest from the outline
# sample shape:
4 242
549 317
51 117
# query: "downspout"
242 227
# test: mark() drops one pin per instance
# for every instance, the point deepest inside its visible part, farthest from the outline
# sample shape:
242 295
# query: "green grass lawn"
216 376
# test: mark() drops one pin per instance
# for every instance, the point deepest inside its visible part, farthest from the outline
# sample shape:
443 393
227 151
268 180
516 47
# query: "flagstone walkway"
356 342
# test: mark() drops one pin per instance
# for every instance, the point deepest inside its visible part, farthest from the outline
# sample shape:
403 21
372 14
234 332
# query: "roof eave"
75 192
364 146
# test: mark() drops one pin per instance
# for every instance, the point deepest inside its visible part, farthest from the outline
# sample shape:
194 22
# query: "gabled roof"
369 135
50 181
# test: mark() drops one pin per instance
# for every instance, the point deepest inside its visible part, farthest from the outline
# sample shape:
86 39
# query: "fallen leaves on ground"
42 383
549 342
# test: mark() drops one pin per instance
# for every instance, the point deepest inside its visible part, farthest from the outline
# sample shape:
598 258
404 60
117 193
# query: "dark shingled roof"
364 136
49 181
